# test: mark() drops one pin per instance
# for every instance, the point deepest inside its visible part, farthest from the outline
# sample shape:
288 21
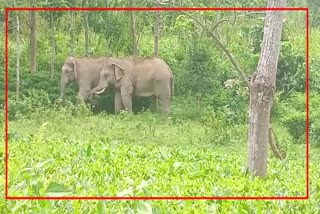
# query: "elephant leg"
154 104
117 102
163 89
126 90
92 102
127 102
83 94
165 104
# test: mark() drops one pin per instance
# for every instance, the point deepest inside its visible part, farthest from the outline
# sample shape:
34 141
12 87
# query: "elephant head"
68 73
110 75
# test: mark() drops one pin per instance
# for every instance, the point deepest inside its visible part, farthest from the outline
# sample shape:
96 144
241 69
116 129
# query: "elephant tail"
172 87
171 84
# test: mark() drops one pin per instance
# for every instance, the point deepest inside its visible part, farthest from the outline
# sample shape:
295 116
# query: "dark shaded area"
105 103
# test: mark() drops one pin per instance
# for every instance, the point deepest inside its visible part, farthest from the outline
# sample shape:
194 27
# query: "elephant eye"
70 64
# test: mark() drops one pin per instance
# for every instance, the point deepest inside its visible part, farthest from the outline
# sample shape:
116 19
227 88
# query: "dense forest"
87 150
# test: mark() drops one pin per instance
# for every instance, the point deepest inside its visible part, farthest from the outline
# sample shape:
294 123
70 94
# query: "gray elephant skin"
135 76
85 71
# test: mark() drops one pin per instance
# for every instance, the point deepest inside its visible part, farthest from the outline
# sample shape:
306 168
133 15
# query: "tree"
133 30
86 27
18 55
33 38
157 34
262 88
52 27
72 23
267 133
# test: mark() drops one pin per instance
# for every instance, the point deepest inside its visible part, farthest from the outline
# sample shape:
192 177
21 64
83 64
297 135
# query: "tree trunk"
262 88
18 56
133 30
72 33
33 38
157 34
86 27
52 26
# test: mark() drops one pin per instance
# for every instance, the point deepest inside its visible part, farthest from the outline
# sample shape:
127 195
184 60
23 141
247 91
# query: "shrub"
293 115
314 121
291 76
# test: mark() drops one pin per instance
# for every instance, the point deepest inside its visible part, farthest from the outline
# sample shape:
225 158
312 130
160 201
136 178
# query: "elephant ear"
118 70
71 61
75 68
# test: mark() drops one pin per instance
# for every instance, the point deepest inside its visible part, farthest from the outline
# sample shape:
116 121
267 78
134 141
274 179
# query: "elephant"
85 71
136 76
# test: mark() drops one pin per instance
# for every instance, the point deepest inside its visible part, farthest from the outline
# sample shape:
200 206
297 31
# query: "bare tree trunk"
52 26
157 34
33 38
133 30
262 88
72 33
86 27
18 56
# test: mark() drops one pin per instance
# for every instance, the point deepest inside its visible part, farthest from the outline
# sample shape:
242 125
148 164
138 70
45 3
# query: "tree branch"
234 63
221 45
230 56
219 22
274 148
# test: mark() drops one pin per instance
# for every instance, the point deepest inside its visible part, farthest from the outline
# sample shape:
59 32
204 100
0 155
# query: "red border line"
6 97
307 101
155 8
156 197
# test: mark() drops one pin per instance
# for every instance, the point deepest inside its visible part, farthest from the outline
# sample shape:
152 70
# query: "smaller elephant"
85 71
134 76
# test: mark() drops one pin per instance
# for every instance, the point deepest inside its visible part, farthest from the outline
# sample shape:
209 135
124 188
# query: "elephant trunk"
63 84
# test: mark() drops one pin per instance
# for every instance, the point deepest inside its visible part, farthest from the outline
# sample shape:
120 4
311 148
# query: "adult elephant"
85 71
134 76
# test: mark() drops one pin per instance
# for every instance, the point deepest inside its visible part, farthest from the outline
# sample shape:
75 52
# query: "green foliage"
127 147
293 116
67 149
200 68
291 76
314 119
66 154
114 31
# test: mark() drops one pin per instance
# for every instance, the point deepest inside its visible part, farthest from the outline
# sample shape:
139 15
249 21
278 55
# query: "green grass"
72 153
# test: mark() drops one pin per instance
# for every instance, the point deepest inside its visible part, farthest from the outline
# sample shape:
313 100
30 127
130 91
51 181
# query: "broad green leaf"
19 205
126 192
89 150
101 207
56 189
212 208
142 184
41 164
129 180
144 207
177 165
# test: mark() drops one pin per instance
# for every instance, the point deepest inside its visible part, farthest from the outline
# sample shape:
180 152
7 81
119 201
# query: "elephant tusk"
101 91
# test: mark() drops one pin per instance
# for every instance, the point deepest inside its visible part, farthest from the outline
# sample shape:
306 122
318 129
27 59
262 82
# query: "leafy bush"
291 75
314 74
293 115
199 74
183 151
314 118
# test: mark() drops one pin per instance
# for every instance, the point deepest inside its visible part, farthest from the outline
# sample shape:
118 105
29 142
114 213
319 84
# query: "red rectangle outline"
157 197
